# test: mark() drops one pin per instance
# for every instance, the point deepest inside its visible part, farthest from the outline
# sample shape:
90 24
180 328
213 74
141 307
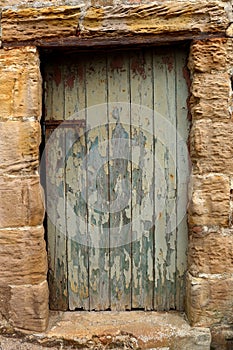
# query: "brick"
209 301
20 80
28 307
210 252
211 147
21 202
19 147
210 202
28 262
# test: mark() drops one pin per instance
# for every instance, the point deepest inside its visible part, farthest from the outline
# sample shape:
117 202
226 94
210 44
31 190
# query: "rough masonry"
29 26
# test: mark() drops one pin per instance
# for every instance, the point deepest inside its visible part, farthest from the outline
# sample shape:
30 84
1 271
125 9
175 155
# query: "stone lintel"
176 19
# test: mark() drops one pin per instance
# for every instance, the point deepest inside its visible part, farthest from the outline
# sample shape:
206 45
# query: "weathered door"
117 170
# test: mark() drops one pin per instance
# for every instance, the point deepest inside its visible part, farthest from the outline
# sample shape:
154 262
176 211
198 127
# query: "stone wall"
23 260
27 25
210 255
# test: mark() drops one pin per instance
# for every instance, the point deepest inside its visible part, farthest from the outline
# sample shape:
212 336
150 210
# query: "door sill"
124 330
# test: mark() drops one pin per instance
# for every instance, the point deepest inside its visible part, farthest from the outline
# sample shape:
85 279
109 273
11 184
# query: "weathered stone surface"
5 294
209 301
210 252
28 306
209 203
222 337
208 55
20 81
211 96
33 23
127 330
229 31
40 3
28 262
167 17
211 147
19 146
21 202
231 202
156 18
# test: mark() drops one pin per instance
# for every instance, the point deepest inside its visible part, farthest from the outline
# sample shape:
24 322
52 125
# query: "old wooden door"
117 172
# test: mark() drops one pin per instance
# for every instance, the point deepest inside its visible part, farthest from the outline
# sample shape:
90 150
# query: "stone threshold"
123 330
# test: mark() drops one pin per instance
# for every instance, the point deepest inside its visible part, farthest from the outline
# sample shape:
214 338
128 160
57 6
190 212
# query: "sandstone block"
28 307
36 23
106 19
209 301
210 252
19 147
230 55
209 203
222 337
155 18
5 294
211 96
211 146
229 31
208 55
20 81
21 202
28 262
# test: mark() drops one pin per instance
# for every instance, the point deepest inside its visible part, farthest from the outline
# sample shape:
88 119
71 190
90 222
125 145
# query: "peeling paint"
141 272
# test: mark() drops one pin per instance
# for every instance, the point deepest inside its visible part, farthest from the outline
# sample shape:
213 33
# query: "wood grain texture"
183 126
76 212
97 182
176 18
55 187
142 125
57 255
76 180
161 98
119 180
124 188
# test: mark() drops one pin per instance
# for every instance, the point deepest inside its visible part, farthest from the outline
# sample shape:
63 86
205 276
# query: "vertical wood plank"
165 239
182 178
120 179
76 213
57 90
169 62
74 75
142 179
76 206
97 182
72 88
48 92
54 99
55 185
